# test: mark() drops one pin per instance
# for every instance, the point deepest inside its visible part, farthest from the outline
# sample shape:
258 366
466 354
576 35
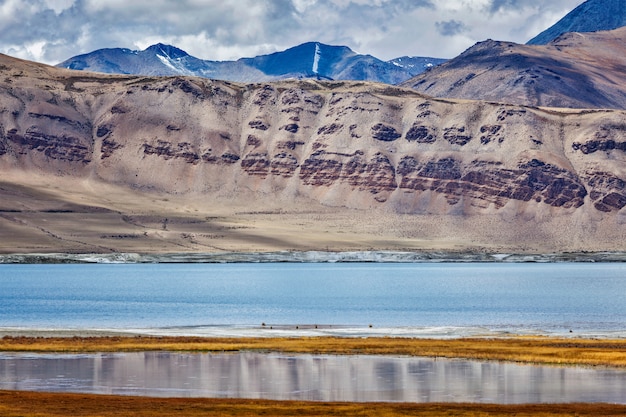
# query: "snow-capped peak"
329 62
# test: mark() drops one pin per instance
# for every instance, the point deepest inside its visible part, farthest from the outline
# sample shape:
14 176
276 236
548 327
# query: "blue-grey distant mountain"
417 64
591 16
155 60
309 60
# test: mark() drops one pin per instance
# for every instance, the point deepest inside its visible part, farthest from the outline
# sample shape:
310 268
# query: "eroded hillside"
386 166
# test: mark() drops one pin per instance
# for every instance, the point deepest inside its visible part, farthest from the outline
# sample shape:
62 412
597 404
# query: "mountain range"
309 60
590 16
576 70
124 163
579 62
507 148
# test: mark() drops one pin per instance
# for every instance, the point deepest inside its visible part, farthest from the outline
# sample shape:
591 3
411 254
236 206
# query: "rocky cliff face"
357 145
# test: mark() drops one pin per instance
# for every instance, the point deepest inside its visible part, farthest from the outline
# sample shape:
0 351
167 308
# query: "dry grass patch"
540 350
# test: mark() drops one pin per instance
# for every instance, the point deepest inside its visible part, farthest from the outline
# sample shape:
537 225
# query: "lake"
427 300
343 299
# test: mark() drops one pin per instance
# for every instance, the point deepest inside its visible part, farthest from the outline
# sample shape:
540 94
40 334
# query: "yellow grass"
540 350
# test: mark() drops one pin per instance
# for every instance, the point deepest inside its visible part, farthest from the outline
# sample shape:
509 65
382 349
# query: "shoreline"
309 257
295 331
518 349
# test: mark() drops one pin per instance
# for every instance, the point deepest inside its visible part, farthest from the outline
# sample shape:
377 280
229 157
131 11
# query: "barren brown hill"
576 70
100 163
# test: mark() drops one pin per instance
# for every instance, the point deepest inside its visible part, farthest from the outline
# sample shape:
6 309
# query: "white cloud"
54 30
302 5
59 5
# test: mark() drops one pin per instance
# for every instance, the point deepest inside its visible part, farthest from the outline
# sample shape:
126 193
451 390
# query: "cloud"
450 28
498 5
53 30
59 5
505 6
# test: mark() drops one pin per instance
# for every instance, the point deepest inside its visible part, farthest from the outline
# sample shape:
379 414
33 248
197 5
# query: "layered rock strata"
357 145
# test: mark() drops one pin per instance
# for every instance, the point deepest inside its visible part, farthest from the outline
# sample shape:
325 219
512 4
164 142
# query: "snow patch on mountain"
329 62
316 58
416 64
166 62
175 64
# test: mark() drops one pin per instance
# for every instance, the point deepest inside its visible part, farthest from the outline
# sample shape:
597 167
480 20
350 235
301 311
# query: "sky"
51 31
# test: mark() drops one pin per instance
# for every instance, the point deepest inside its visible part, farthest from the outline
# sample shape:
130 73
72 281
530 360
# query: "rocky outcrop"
385 133
168 150
489 183
456 135
256 164
108 147
326 169
421 134
599 146
607 191
58 147
284 164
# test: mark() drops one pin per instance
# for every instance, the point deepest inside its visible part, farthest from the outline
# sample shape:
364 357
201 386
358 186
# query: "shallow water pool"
309 377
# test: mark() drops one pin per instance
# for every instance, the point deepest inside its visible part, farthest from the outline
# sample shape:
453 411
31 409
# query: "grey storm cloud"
53 30
450 28
497 5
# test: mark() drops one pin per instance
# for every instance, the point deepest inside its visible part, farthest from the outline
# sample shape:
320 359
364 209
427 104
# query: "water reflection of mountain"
310 377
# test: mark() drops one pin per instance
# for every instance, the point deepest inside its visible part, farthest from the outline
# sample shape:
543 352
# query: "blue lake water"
441 300
418 300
